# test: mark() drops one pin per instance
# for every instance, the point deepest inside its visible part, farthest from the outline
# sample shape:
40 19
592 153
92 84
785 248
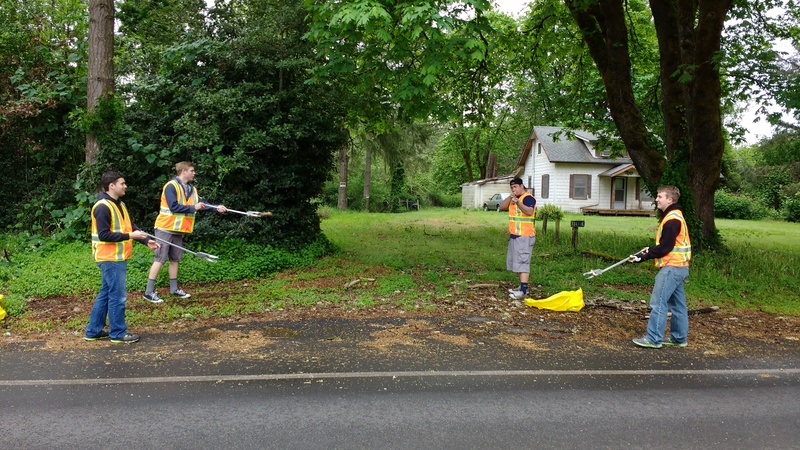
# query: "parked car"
493 204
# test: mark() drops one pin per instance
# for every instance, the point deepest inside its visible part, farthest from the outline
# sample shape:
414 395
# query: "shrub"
791 208
550 211
733 206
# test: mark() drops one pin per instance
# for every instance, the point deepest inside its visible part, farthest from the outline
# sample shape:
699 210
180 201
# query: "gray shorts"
518 257
166 250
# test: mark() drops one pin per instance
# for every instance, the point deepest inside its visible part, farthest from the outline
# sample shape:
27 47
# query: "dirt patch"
472 316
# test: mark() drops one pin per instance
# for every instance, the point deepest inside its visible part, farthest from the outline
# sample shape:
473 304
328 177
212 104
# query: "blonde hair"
183 165
671 192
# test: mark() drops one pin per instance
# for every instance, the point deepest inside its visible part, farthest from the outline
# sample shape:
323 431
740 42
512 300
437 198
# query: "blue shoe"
674 343
643 342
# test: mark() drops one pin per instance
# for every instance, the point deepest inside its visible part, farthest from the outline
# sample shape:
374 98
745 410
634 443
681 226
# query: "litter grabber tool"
201 255
597 272
247 213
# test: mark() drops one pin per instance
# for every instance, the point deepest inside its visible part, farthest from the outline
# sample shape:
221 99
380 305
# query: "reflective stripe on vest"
521 224
120 223
681 254
172 221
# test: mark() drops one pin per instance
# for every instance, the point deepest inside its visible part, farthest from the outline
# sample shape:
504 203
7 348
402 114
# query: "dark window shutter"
588 186
572 186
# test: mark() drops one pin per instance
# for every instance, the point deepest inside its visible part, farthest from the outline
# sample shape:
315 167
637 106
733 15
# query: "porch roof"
619 170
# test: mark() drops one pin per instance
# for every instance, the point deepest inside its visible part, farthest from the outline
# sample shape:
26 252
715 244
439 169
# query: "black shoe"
127 339
102 335
180 293
152 297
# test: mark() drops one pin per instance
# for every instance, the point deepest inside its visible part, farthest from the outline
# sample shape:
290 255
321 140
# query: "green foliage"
733 206
42 82
238 105
791 208
54 269
549 211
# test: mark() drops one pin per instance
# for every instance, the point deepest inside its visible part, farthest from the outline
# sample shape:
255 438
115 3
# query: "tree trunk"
100 78
342 200
689 38
704 113
367 175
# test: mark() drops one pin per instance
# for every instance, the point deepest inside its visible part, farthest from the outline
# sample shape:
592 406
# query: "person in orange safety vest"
672 253
521 207
179 203
112 232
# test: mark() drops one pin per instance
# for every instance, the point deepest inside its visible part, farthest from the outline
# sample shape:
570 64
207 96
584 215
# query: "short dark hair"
517 180
108 178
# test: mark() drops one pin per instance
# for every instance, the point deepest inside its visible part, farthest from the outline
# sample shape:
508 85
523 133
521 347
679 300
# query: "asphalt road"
315 392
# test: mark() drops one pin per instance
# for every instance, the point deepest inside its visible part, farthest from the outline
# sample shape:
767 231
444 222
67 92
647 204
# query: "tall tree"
100 80
689 39
692 88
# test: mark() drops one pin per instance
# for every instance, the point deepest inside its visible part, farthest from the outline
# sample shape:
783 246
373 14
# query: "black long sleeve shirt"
102 216
669 232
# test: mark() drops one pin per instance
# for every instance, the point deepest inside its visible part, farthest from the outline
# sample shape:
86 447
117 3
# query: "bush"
550 211
733 206
791 209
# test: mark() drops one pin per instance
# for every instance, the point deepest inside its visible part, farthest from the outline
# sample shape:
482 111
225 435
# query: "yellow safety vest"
521 224
681 254
120 223
171 221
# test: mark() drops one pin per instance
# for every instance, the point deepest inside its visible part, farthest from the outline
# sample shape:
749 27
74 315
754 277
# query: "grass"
418 260
760 269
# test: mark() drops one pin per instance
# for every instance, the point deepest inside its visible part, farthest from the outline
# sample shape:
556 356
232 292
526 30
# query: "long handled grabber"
597 272
247 213
206 256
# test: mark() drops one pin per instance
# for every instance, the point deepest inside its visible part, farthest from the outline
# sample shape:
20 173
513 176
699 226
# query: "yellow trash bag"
2 311
563 301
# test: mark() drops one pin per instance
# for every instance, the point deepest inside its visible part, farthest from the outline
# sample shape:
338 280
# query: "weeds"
418 261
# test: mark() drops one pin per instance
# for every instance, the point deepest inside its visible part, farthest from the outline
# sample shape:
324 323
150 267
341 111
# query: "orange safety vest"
171 221
681 254
521 224
120 223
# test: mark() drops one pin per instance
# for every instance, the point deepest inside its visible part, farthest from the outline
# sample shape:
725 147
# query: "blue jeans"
110 301
668 295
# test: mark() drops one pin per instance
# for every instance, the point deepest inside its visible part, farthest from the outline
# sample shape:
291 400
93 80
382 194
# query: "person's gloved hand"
638 256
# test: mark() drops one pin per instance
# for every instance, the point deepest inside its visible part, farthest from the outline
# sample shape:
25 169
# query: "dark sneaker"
675 343
643 342
102 335
180 293
152 297
127 339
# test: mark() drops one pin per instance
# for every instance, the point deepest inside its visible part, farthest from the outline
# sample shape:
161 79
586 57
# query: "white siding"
537 165
468 196
474 194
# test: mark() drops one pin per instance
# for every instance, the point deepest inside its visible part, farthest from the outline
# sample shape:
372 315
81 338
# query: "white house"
577 177
475 193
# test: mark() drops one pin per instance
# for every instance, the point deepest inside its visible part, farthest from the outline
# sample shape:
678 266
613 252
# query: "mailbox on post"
575 224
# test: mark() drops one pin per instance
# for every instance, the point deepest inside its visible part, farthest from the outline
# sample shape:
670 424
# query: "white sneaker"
516 295
512 290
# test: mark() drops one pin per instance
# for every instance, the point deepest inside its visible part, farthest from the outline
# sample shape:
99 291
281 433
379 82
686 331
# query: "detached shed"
475 193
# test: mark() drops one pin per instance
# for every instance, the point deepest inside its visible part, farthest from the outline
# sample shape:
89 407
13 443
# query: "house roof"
488 180
565 150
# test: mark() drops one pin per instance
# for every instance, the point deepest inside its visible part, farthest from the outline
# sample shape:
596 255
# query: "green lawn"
760 270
